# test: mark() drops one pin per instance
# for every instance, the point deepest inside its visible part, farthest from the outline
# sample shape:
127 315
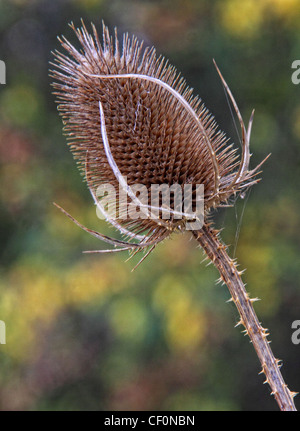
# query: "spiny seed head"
157 131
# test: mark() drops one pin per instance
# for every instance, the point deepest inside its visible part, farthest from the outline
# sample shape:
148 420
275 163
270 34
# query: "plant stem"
209 240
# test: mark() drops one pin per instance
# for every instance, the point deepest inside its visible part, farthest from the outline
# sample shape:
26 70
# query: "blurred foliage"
83 331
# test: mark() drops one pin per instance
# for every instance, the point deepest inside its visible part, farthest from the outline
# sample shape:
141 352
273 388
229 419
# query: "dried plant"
129 114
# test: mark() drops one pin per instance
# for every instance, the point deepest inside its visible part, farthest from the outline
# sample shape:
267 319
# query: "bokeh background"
83 331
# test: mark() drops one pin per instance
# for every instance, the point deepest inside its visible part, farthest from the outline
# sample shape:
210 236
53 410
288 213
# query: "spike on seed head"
129 114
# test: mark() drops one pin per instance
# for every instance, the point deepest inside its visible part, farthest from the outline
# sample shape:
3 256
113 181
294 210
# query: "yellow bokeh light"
241 18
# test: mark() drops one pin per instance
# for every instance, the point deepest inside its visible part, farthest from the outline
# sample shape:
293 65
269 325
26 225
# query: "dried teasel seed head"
128 114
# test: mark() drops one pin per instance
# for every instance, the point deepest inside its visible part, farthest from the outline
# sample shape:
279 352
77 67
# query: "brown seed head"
155 129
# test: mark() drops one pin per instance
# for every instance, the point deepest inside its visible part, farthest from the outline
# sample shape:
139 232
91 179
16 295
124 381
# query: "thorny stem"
216 252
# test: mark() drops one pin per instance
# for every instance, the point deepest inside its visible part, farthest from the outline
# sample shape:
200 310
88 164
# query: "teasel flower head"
129 115
131 120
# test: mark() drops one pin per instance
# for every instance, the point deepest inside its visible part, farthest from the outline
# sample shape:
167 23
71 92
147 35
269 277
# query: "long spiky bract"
131 119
